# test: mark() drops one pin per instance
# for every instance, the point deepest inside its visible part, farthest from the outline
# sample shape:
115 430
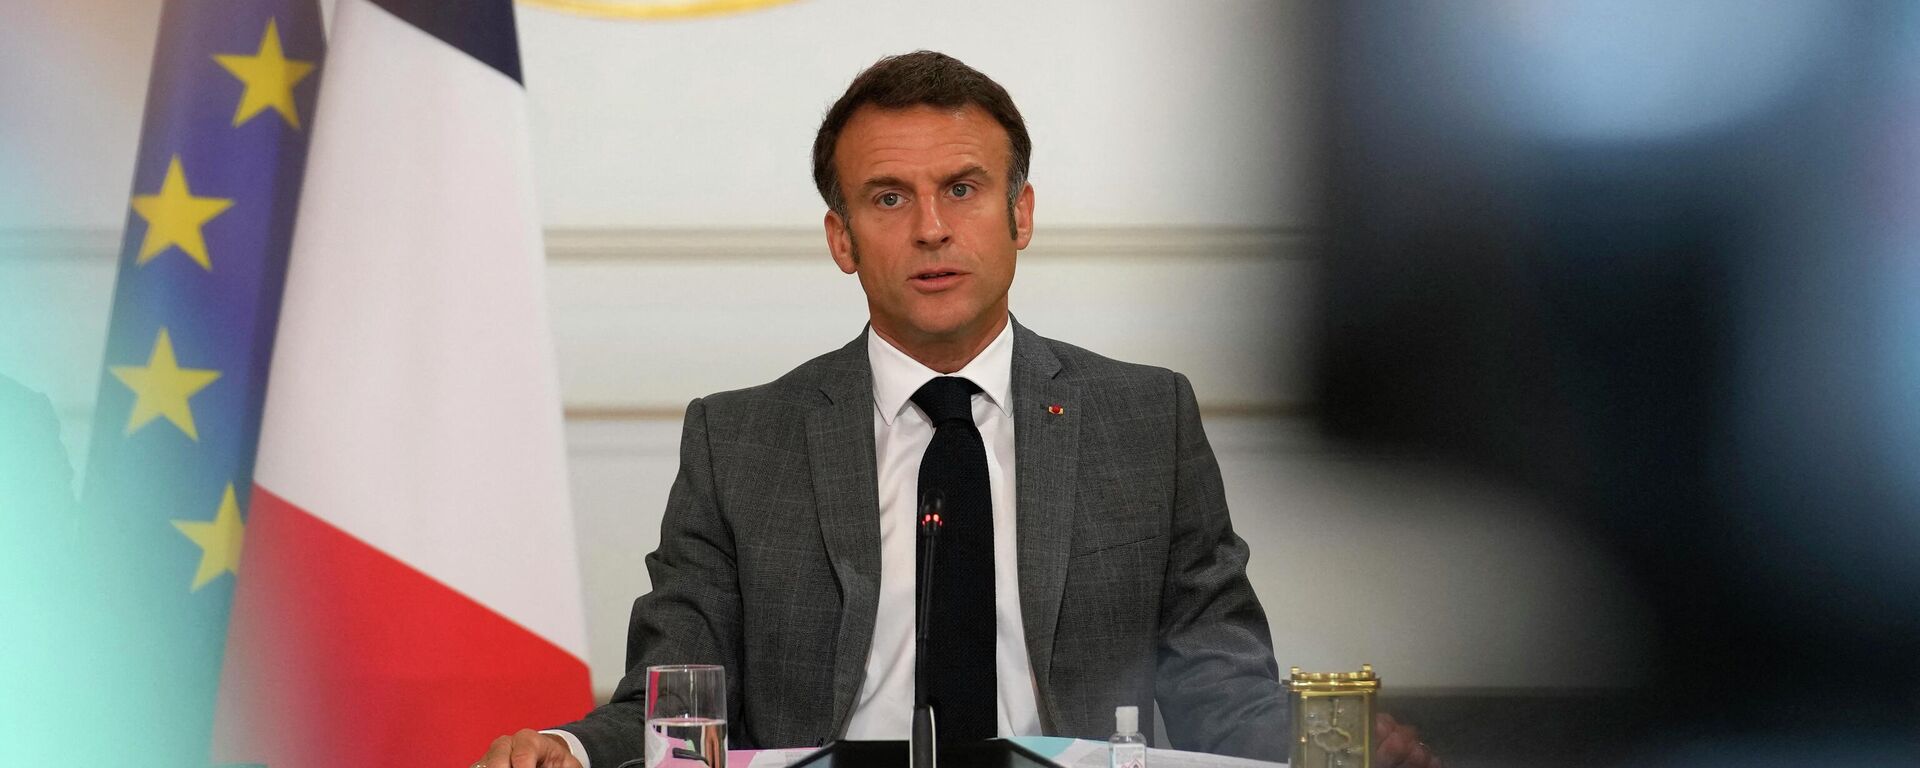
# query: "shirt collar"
896 376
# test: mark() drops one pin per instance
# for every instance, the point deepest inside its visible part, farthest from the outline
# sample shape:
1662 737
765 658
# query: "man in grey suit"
783 554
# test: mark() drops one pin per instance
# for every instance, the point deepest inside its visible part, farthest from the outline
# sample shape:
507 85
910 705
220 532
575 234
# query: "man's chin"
939 328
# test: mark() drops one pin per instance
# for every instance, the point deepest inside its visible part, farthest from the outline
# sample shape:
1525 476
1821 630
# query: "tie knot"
945 399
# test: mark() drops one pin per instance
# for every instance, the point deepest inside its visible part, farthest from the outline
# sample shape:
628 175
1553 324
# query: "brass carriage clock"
1332 718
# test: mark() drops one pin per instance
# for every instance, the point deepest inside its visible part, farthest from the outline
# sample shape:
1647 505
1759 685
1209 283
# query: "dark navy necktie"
959 668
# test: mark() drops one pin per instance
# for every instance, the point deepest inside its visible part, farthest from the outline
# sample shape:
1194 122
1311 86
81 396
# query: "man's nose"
929 226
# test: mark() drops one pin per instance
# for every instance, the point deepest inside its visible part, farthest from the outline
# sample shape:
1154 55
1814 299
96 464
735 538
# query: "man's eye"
962 190
890 199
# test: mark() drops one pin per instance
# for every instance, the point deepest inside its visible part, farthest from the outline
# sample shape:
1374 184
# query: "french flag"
410 587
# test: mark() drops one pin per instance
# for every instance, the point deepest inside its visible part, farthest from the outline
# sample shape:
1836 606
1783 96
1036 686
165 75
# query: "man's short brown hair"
921 78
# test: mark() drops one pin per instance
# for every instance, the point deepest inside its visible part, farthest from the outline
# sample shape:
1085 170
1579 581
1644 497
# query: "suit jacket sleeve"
692 615
1217 682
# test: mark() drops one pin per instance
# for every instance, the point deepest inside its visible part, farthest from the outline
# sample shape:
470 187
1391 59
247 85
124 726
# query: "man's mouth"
935 275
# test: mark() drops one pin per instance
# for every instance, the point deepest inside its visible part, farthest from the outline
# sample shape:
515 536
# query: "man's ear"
1023 217
840 242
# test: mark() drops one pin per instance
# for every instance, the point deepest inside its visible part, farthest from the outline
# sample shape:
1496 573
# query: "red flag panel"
342 655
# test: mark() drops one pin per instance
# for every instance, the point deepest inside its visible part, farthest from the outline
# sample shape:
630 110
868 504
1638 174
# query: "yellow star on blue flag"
162 388
219 540
269 77
174 218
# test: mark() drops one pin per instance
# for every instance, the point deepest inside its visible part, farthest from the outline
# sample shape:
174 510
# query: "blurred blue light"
1630 70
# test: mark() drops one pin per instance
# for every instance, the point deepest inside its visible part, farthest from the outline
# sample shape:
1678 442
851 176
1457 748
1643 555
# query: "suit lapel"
840 447
1047 456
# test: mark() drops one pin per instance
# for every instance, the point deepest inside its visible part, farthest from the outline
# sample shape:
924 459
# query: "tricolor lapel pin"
1056 409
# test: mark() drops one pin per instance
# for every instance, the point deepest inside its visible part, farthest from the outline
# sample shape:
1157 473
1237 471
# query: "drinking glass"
687 716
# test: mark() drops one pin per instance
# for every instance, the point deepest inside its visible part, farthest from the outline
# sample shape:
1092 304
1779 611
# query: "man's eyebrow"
880 182
969 171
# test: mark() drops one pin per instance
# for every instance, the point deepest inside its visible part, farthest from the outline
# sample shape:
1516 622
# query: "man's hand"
1396 745
528 749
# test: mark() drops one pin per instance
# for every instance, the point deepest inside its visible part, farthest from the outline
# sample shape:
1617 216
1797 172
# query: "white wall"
1175 220
73 81
1142 113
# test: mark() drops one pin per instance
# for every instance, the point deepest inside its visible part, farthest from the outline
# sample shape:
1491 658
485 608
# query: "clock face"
645 10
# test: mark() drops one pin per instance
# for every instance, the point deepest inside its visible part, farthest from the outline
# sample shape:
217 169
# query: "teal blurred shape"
44 615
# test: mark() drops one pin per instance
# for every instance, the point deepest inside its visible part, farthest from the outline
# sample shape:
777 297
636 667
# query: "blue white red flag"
411 588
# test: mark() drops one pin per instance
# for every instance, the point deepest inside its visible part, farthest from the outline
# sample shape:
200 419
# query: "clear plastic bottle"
1127 748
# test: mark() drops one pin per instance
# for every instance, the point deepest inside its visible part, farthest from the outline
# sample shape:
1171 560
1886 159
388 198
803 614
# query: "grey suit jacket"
1132 583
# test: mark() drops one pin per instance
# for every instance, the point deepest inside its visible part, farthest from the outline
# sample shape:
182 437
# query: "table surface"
1072 753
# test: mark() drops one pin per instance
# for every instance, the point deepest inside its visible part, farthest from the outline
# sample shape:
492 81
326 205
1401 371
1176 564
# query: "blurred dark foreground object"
1662 262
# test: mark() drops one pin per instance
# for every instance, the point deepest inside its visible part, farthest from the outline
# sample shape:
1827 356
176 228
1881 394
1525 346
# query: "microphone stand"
922 745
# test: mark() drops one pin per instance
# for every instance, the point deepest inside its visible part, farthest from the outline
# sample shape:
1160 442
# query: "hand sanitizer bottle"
1128 749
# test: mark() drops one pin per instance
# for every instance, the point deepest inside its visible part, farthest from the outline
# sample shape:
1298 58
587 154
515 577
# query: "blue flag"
216 184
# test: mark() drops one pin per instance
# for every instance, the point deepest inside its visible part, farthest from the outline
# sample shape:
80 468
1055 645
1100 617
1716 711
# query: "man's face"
927 221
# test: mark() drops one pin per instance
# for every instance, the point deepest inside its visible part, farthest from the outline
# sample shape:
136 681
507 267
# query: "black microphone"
923 747
931 504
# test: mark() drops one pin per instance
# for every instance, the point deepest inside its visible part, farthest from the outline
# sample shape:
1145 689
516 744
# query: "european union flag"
197 297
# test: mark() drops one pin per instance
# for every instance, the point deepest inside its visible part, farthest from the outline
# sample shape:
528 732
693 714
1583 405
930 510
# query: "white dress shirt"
884 710
901 433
